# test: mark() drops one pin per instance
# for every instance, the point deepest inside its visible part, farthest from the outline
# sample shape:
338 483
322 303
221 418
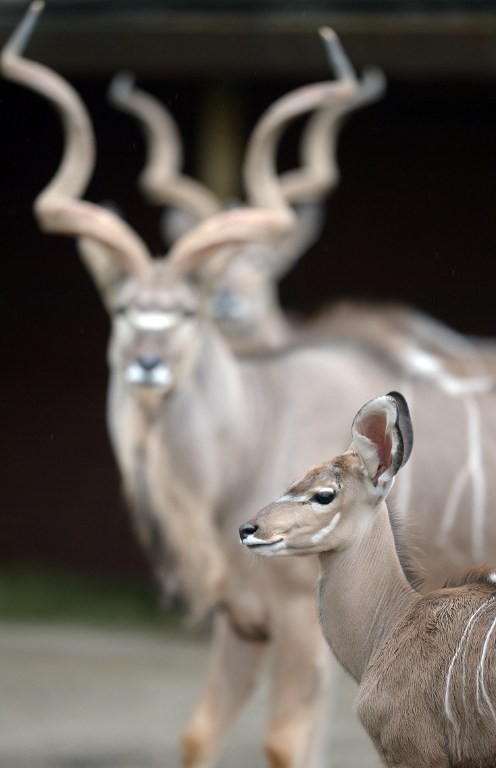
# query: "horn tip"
15 45
327 33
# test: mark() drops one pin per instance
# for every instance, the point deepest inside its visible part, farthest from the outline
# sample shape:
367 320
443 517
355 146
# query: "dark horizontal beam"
264 6
250 45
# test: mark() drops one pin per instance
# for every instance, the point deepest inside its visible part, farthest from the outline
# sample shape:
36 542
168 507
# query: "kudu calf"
426 664
202 437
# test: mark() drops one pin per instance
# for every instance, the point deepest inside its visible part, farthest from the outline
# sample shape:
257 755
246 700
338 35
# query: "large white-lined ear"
107 272
383 436
274 260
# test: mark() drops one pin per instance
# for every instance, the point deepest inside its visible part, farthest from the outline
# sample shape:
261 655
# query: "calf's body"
425 664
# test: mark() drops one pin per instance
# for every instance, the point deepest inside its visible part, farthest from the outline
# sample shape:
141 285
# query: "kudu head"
331 505
244 300
156 305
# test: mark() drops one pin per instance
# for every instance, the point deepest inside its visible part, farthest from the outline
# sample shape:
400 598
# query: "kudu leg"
302 664
317 742
232 670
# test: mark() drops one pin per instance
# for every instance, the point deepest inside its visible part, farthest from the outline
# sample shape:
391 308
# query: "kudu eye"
324 497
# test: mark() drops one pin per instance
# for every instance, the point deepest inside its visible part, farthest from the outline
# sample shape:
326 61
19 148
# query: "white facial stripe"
289 497
328 529
304 496
251 539
268 546
325 489
153 321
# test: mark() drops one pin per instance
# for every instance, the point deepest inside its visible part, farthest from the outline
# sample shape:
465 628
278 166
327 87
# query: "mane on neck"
480 575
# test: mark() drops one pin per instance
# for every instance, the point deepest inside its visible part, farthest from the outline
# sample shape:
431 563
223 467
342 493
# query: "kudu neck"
214 373
272 332
363 593
212 417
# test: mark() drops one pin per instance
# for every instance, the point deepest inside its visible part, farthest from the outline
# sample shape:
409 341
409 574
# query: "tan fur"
217 437
425 664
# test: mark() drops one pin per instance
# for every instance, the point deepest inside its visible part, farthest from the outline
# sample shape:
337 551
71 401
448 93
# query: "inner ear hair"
378 438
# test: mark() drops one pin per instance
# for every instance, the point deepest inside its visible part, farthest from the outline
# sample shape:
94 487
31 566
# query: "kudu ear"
176 222
211 245
272 259
105 268
107 271
310 219
383 437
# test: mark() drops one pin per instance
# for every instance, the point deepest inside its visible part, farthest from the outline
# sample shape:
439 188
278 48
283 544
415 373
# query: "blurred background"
413 218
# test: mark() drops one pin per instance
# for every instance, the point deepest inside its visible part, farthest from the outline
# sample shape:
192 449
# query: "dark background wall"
413 220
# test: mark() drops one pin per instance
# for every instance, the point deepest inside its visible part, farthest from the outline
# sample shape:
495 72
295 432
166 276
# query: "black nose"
246 530
148 362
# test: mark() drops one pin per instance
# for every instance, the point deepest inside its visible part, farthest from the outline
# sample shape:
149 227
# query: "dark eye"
324 497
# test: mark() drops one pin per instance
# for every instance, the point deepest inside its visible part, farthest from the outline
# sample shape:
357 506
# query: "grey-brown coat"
425 664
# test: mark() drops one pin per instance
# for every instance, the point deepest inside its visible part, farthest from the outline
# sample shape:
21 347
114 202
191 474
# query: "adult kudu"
203 438
244 302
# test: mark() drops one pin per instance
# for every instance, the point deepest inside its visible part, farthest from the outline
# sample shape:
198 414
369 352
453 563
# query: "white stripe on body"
464 655
478 478
474 471
464 636
480 675
429 366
